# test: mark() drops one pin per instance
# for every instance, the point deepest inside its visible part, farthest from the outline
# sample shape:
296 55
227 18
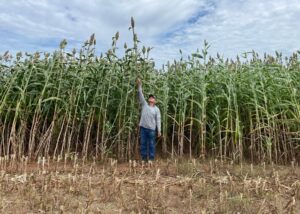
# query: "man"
150 124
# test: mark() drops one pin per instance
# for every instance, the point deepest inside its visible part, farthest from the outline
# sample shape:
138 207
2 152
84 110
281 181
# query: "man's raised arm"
140 92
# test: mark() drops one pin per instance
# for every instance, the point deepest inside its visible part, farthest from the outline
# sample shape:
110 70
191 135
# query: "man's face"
151 101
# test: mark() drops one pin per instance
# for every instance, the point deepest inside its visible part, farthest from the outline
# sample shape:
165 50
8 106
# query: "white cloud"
234 27
231 27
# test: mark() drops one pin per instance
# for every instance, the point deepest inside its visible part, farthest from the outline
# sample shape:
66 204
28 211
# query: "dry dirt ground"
165 186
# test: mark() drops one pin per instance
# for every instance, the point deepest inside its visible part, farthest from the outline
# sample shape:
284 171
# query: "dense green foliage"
61 103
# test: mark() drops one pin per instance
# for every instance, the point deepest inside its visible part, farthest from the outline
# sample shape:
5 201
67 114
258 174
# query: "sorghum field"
69 132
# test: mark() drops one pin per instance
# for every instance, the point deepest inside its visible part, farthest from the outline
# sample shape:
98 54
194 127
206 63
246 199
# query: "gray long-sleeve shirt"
150 117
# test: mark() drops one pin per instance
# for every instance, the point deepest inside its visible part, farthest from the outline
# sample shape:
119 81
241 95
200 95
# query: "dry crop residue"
162 187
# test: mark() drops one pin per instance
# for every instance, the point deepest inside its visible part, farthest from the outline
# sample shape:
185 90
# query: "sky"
231 27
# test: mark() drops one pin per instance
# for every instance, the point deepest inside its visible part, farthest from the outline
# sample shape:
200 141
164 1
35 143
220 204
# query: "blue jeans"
147 143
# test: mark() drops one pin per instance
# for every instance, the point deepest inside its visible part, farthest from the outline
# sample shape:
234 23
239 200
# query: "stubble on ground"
165 186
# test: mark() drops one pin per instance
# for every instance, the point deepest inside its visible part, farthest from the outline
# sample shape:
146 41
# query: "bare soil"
165 186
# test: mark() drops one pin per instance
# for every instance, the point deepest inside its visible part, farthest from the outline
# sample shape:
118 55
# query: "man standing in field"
150 124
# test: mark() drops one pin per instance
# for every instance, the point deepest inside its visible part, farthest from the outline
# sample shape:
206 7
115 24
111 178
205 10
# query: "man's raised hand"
138 82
